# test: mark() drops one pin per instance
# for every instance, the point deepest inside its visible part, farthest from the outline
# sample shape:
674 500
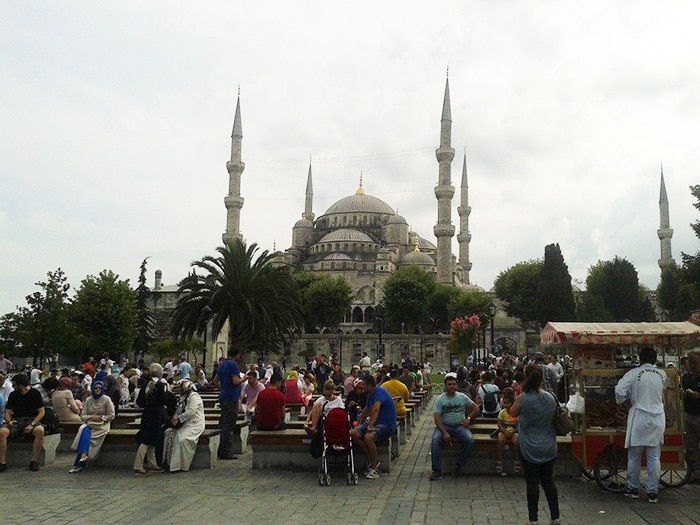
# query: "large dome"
360 203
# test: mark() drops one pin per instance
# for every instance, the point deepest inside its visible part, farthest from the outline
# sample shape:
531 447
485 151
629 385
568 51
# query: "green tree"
406 298
689 291
517 286
42 325
104 311
468 303
555 296
438 308
260 302
614 286
668 294
325 300
145 322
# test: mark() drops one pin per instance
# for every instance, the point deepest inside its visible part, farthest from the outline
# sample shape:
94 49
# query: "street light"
492 314
204 317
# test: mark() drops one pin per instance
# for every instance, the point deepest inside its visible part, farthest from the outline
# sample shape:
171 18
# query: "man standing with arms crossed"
642 390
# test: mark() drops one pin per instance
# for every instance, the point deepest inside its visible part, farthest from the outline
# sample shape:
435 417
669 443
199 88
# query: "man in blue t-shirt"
378 422
453 413
228 379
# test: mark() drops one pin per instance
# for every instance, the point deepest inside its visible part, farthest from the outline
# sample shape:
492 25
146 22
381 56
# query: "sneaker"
372 474
653 497
456 469
75 470
34 466
142 472
631 493
435 475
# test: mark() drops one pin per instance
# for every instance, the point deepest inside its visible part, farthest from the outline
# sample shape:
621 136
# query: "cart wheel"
328 479
348 478
587 473
610 470
355 477
677 477
321 478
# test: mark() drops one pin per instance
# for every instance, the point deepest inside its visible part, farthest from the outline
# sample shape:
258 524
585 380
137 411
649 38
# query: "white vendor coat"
644 387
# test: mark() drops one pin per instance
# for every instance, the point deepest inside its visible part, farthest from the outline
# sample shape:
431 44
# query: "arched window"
345 220
354 220
357 315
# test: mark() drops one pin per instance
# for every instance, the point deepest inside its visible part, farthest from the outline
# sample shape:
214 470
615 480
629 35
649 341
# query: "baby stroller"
337 442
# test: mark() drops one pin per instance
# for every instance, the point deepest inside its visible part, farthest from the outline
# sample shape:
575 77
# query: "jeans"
537 474
458 433
634 466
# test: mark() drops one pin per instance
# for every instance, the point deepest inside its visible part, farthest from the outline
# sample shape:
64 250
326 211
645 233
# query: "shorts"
381 432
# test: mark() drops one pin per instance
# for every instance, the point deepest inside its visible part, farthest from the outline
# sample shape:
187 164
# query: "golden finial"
360 191
415 244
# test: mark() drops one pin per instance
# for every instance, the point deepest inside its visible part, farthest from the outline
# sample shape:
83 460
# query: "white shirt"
365 363
6 388
557 368
644 387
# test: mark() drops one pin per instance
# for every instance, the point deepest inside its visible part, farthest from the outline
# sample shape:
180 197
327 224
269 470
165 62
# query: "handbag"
563 424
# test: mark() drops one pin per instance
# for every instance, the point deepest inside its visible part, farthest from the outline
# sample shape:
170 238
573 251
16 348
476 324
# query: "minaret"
664 232
235 167
444 230
309 202
464 237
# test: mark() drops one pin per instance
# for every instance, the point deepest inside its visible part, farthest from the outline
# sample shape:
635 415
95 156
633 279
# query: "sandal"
499 467
516 467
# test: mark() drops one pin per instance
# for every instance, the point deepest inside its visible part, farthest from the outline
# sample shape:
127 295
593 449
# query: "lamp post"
420 331
340 348
492 315
204 318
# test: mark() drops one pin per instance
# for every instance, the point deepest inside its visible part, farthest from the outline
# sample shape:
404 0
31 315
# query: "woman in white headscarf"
187 425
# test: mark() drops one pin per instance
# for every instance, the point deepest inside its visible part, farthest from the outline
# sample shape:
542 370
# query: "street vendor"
642 390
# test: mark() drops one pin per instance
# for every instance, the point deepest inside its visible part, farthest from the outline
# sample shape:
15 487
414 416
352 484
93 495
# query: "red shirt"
269 409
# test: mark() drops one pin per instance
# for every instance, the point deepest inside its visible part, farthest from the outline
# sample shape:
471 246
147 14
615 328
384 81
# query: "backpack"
490 401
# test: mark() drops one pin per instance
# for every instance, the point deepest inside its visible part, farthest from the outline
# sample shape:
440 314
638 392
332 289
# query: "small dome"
396 219
423 244
346 235
304 223
417 258
473 288
360 203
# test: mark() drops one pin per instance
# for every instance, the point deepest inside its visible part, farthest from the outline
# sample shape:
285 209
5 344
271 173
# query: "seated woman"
356 400
64 405
187 425
292 392
98 412
324 404
308 388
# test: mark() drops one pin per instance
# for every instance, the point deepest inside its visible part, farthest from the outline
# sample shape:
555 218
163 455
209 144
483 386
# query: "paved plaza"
234 493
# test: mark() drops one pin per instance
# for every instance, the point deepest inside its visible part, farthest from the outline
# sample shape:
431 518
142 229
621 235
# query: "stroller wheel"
355 477
348 478
328 479
321 479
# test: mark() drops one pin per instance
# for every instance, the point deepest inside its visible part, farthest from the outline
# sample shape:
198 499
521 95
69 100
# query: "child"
507 431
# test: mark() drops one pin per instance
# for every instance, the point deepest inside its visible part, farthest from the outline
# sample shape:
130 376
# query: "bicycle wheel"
676 477
610 469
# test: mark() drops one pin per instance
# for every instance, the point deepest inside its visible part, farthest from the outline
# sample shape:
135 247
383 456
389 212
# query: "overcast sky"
116 123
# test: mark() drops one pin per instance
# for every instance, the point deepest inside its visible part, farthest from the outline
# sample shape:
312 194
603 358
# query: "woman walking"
535 409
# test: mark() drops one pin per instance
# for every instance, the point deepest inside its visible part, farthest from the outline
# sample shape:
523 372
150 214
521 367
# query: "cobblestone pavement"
234 493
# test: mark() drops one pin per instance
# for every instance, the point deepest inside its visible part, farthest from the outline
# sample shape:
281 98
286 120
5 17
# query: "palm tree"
260 302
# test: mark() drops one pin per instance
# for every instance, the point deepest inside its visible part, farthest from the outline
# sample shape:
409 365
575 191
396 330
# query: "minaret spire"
235 167
309 201
444 230
664 232
464 210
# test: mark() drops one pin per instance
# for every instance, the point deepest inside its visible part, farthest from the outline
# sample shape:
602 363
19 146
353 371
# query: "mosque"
364 240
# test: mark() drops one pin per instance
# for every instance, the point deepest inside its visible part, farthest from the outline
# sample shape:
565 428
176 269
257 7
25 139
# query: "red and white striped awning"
680 334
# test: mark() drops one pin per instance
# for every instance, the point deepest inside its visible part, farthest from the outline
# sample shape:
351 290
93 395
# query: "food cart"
602 353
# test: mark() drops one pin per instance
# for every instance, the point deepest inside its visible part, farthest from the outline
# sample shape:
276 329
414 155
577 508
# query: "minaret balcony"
464 237
445 154
444 191
233 201
464 210
444 230
664 233
235 167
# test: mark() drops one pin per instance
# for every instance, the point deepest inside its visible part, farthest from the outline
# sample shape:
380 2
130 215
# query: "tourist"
308 388
270 410
488 392
150 435
63 402
228 379
453 413
365 362
184 369
5 364
691 397
378 422
324 404
250 392
537 438
24 412
98 412
642 391
185 428
5 386
292 391
200 378
349 382
337 376
507 432
356 400
398 392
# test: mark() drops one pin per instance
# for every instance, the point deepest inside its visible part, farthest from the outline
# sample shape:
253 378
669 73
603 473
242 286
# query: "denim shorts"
381 432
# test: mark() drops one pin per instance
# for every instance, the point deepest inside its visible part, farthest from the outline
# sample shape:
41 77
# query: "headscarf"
65 383
186 387
95 384
292 375
156 370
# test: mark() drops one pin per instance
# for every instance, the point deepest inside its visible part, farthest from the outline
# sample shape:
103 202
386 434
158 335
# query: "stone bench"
19 453
289 450
119 449
483 459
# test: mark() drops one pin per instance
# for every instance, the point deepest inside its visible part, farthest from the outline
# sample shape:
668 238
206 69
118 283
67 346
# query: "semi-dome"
304 223
337 257
346 235
360 203
396 219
